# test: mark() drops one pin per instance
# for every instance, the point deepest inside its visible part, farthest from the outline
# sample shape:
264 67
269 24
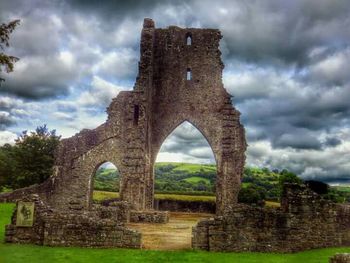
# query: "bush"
318 187
252 195
30 160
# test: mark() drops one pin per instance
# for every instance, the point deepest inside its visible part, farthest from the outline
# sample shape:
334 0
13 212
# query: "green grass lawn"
10 253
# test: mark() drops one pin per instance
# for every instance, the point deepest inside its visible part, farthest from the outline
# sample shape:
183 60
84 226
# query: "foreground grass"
12 253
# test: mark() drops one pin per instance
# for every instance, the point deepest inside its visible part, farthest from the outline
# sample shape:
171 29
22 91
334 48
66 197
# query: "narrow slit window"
188 40
189 74
136 114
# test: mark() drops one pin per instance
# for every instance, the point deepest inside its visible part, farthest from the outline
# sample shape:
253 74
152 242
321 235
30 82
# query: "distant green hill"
107 180
199 179
186 178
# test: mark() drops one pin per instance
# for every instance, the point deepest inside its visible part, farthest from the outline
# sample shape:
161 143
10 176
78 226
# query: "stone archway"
104 170
163 139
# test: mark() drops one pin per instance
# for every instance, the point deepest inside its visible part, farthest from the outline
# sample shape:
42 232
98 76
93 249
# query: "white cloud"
100 94
7 137
121 64
333 69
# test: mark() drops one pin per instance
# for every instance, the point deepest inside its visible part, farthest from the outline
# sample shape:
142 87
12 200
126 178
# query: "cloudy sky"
286 64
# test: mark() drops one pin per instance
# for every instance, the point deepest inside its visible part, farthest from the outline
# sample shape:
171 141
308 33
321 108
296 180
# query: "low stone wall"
66 228
340 258
20 194
85 232
149 216
119 210
184 206
304 221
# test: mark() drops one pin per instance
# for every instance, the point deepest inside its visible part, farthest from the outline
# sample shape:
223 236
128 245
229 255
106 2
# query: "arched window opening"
188 39
136 114
189 74
106 180
186 164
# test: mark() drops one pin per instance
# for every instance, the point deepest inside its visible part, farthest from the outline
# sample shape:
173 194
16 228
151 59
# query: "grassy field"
272 204
190 167
342 188
185 197
196 179
103 195
11 253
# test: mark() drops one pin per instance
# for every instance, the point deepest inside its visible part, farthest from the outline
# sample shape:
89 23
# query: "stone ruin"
304 221
179 79
340 258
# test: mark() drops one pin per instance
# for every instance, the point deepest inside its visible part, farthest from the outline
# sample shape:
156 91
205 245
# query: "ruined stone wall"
119 211
184 206
201 100
340 258
140 120
149 216
304 222
98 228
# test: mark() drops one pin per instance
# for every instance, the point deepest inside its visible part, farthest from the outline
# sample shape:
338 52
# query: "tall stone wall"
140 120
303 222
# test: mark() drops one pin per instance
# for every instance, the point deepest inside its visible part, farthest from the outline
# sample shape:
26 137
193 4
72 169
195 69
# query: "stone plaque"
25 214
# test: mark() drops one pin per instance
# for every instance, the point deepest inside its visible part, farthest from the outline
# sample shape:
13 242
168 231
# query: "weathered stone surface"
184 206
340 258
140 120
100 227
304 221
149 217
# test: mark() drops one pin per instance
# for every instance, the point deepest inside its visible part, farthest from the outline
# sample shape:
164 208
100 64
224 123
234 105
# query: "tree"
252 194
288 177
30 160
7 61
318 187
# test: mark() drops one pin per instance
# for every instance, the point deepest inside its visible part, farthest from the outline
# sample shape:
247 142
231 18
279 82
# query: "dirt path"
171 236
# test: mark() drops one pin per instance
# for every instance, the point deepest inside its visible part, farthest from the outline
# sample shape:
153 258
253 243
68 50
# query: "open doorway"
185 170
106 182
185 178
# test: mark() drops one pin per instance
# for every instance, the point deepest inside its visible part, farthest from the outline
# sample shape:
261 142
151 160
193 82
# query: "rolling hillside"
197 179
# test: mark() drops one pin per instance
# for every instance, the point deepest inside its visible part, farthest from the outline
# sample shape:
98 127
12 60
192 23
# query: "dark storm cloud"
58 48
34 79
332 142
299 139
115 10
272 31
286 66
6 120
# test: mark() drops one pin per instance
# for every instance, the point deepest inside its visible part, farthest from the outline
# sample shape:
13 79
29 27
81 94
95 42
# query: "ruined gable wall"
202 101
140 120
